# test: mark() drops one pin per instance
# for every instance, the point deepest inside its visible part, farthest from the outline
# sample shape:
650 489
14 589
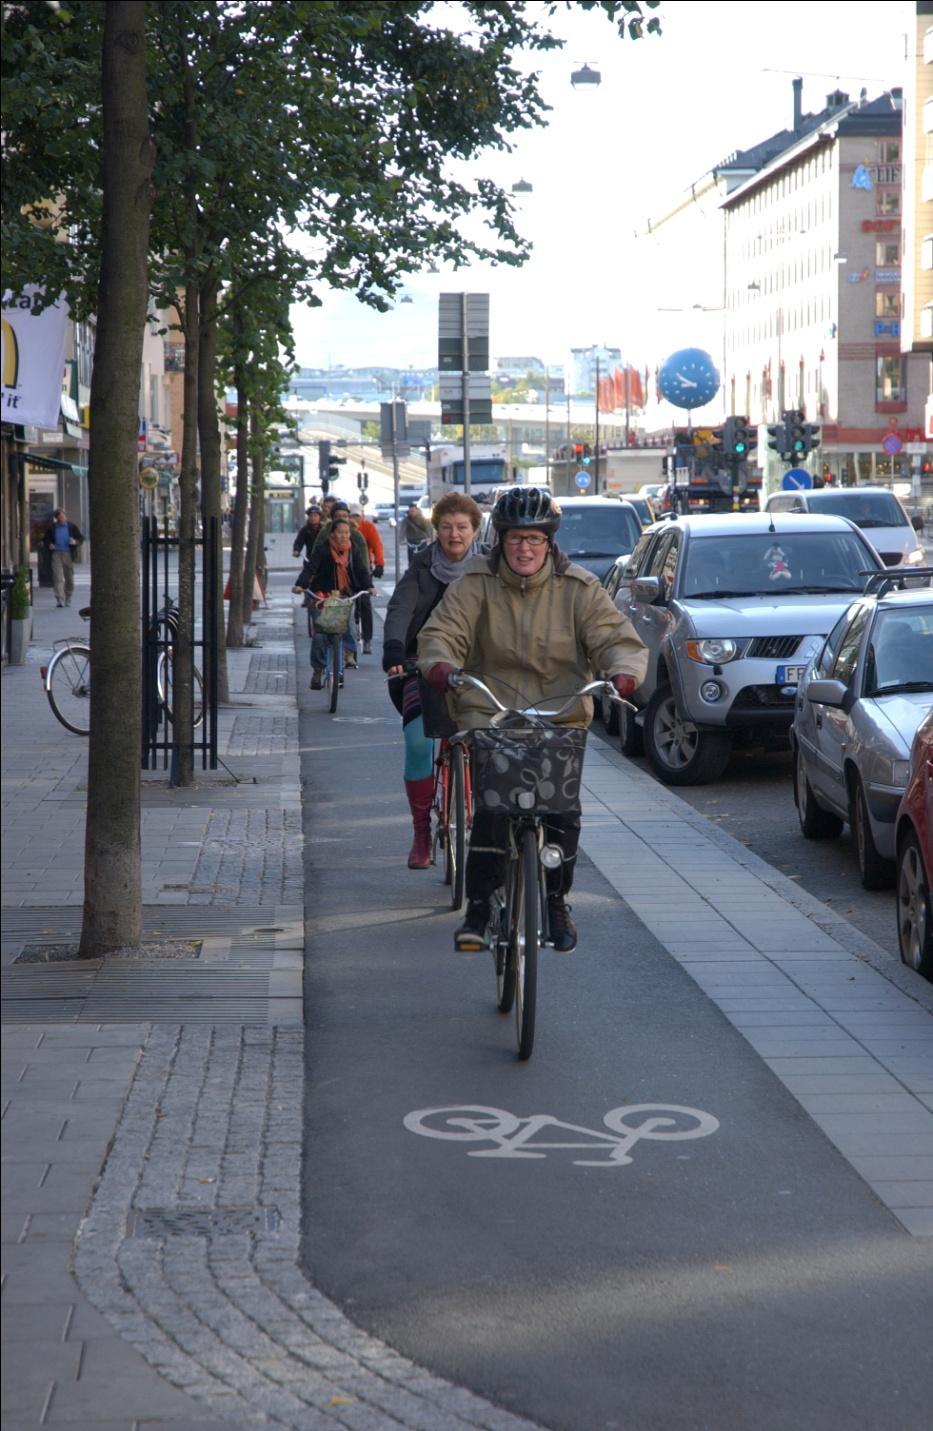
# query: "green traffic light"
740 448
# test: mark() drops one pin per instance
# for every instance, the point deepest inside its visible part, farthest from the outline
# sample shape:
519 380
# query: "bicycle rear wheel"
68 687
335 643
455 843
526 943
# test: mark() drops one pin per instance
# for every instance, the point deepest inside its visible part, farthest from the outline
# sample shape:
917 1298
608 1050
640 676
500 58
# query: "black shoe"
562 929
367 648
340 683
317 679
473 933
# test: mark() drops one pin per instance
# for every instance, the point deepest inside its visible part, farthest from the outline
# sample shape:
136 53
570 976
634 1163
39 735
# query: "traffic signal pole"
465 364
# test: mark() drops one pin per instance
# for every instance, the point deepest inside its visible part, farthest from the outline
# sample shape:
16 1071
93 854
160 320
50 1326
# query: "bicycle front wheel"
165 686
455 844
68 687
335 642
525 941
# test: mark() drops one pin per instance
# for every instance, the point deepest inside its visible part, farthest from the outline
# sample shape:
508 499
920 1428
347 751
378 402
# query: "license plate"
788 675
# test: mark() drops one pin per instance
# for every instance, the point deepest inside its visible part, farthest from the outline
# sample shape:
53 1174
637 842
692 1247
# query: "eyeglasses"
533 541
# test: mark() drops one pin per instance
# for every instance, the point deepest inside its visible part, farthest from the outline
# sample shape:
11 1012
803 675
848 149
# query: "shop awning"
49 464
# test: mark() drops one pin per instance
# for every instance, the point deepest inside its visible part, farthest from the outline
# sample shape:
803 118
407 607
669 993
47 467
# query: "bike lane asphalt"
773 1272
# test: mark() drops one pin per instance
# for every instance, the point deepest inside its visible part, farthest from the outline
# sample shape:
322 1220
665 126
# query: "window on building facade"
887 305
888 253
889 378
926 251
891 151
888 201
926 321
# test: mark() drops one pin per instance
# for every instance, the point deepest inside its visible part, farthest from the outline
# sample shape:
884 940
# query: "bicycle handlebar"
463 678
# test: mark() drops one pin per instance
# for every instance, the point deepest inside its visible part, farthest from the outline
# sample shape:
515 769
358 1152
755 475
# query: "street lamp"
523 187
585 75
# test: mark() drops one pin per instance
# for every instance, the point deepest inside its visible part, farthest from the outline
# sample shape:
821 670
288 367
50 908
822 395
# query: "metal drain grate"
165 1222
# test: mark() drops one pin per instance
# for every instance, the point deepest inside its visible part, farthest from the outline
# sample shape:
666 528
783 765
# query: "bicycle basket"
522 770
333 618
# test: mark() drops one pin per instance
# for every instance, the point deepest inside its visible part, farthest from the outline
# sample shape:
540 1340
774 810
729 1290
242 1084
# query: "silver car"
876 510
857 710
731 608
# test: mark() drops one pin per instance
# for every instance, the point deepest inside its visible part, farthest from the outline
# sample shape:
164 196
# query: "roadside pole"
465 363
395 484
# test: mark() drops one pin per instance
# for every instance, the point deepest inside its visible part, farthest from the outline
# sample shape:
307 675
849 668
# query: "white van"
876 510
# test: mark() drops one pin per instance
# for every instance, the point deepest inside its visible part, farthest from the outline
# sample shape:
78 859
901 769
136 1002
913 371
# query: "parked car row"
789 626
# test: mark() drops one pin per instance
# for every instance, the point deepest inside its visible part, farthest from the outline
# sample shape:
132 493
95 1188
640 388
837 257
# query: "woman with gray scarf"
456 520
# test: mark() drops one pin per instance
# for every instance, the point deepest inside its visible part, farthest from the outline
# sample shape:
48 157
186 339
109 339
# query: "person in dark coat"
455 519
307 535
335 567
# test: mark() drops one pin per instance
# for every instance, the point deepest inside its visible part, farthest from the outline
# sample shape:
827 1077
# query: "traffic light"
334 463
587 454
777 438
323 465
737 439
797 445
811 432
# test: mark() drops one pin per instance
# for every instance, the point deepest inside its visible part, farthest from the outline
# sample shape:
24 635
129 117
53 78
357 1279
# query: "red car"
914 833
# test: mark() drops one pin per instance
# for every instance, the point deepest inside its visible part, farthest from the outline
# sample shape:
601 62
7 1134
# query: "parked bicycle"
525 768
67 677
331 619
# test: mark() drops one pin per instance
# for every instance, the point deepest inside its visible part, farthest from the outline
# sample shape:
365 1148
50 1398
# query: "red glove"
626 686
438 677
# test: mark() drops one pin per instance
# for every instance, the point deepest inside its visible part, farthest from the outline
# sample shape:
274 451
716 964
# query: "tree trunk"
240 507
209 430
112 862
256 496
182 773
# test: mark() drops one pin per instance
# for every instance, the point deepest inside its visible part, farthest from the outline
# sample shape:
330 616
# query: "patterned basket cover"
528 769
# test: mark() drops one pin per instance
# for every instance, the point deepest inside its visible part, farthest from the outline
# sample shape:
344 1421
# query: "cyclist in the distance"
535 627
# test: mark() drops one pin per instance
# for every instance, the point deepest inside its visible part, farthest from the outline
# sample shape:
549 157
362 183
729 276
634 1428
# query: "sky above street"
613 156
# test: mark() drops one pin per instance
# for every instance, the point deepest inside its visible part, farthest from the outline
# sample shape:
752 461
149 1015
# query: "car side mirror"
646 588
828 693
917 522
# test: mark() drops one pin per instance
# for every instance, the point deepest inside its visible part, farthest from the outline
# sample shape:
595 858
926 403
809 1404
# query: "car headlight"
713 651
914 558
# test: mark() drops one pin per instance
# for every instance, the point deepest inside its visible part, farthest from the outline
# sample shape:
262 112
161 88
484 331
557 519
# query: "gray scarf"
443 569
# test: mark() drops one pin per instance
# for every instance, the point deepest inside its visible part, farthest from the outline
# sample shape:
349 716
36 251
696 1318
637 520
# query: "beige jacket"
533 640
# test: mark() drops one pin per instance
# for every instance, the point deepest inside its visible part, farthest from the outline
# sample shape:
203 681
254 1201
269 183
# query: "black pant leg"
486 864
564 831
366 617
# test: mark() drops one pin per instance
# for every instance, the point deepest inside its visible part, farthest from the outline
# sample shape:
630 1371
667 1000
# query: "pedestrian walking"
417 530
62 538
456 520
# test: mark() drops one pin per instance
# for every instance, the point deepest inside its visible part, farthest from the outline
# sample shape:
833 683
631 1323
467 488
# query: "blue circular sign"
688 378
797 480
582 480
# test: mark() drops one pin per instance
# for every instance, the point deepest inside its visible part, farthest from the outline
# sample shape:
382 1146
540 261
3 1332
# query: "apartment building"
813 267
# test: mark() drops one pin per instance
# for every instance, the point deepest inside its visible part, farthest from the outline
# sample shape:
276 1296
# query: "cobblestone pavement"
151 1170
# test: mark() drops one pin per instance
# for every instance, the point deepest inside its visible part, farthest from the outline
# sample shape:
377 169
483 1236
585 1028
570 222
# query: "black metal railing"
161 742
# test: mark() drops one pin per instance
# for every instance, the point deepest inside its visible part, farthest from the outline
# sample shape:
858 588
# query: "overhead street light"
585 75
523 187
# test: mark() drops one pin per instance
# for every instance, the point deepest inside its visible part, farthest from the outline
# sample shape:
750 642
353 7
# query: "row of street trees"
220 160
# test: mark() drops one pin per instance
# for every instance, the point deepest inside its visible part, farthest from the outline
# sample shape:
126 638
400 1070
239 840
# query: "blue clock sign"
688 378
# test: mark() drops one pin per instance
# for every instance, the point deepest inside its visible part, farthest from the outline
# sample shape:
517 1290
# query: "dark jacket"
73 532
319 573
409 607
305 539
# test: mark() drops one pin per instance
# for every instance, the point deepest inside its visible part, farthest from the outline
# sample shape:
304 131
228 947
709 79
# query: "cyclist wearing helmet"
534 627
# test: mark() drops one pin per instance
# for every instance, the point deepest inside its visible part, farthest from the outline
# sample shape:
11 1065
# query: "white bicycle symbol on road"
515 1137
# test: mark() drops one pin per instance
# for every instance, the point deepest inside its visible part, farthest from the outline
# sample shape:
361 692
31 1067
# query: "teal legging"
419 749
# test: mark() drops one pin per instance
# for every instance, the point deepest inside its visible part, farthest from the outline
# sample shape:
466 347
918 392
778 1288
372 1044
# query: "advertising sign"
33 360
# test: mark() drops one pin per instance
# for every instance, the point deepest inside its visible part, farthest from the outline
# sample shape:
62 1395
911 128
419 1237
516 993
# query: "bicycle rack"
160 740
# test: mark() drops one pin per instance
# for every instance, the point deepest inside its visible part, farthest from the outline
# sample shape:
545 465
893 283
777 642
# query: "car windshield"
900 654
865 509
770 563
598 531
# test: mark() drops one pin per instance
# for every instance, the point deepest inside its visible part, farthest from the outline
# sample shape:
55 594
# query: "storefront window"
887 305
888 253
889 379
